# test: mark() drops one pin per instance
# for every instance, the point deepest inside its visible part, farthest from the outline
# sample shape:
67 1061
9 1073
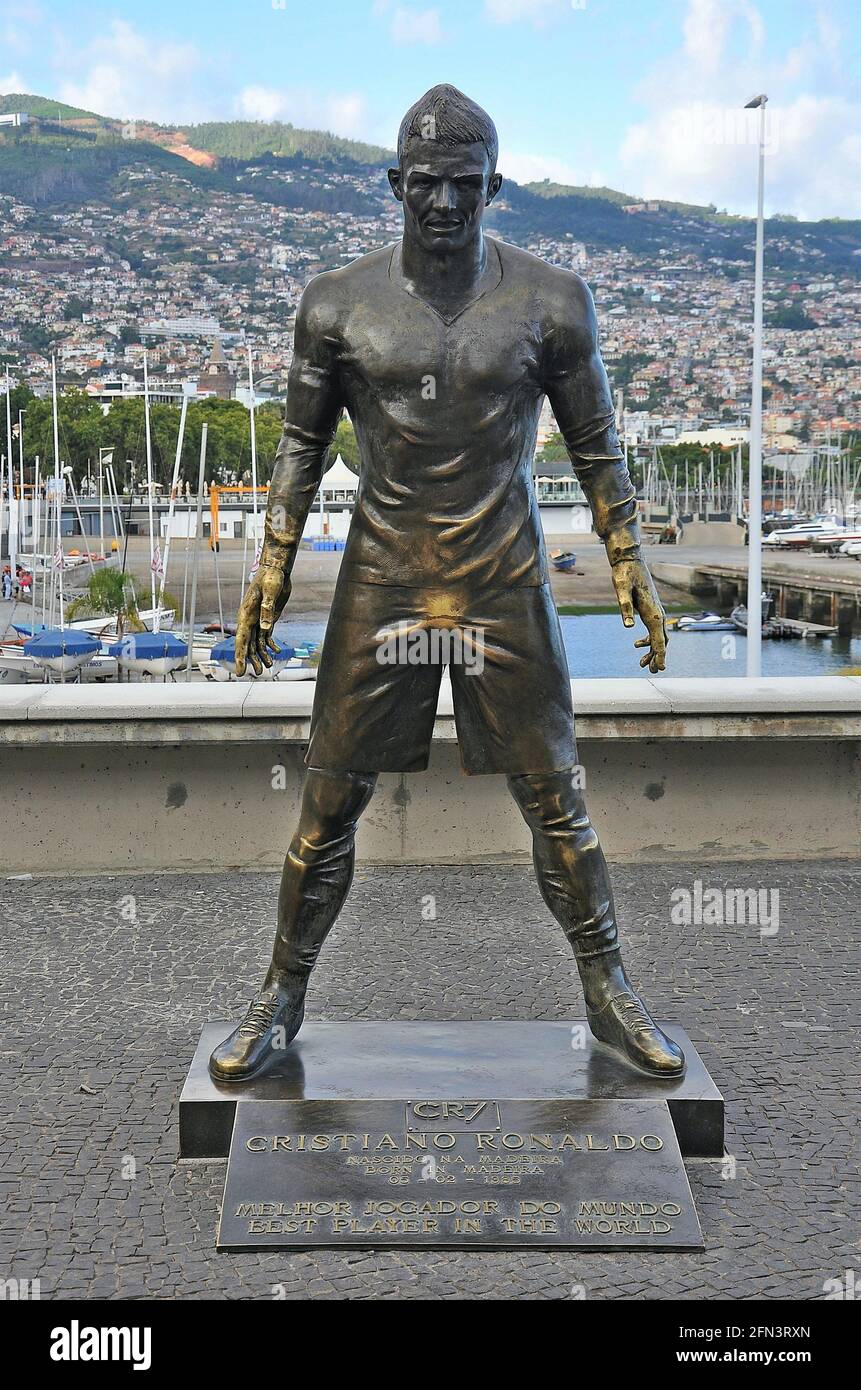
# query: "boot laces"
259 1017
634 1014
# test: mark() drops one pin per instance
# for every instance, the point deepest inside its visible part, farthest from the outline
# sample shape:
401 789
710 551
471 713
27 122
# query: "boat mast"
197 530
174 484
13 536
101 509
58 554
149 480
21 506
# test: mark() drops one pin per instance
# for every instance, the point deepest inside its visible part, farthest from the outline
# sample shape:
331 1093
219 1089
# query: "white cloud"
343 113
539 12
261 104
704 151
123 73
708 25
533 168
12 82
416 26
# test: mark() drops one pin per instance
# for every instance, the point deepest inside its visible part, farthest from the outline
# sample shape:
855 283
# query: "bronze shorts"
381 666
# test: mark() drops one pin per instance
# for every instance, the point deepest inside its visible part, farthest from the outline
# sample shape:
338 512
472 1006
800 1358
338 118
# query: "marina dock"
819 603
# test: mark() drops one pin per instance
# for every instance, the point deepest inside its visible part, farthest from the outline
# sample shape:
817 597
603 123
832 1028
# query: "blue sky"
641 96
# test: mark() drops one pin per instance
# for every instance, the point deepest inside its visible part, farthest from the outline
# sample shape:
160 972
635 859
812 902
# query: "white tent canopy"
338 478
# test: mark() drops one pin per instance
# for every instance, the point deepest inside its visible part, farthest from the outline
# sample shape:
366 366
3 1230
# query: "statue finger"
253 657
626 608
261 650
267 615
242 635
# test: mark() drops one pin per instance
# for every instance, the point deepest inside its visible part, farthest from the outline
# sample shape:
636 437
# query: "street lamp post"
754 518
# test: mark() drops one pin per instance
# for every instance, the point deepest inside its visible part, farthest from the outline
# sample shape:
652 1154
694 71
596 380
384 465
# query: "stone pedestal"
452 1061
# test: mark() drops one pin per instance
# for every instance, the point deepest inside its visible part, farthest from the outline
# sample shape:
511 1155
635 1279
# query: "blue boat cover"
61 641
148 646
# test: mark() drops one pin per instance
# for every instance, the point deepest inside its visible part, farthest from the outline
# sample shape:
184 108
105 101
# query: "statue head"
446 174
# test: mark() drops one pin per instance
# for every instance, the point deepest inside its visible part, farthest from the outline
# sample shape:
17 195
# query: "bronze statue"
442 348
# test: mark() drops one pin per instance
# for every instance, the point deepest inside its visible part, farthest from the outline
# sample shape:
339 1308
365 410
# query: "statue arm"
576 385
314 405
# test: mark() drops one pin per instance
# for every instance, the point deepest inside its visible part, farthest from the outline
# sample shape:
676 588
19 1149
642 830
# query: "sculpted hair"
449 117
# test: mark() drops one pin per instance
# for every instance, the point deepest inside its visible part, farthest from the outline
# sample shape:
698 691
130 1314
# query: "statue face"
444 191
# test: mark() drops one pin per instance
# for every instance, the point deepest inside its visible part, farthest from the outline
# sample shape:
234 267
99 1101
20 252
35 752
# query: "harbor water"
597 644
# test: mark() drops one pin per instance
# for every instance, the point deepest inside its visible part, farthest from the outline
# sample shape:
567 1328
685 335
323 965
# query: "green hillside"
45 108
547 189
248 139
51 164
57 169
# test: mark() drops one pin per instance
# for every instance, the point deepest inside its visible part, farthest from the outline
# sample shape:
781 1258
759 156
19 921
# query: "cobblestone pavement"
101 1016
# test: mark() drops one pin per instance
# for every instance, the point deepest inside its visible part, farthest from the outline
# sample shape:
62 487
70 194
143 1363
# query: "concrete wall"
203 777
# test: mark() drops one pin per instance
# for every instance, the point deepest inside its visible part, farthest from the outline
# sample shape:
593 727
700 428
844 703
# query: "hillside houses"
676 332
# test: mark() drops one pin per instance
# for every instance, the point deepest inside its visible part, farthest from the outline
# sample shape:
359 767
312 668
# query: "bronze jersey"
445 412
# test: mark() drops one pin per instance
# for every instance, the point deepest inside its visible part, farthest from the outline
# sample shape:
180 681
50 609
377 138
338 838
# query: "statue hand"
259 611
635 590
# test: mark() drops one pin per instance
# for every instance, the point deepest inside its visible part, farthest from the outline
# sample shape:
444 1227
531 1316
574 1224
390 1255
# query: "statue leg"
575 884
317 875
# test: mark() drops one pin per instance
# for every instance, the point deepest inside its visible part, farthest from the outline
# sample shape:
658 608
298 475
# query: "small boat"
150 653
771 627
563 560
104 626
166 618
97 627
15 667
62 651
305 650
289 664
704 622
804 533
833 544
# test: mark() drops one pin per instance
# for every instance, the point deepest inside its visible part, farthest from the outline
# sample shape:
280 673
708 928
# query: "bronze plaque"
595 1174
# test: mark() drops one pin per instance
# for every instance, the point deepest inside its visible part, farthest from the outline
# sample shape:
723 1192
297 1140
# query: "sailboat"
60 650
158 617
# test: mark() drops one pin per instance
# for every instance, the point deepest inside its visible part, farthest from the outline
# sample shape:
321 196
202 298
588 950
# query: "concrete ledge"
208 777
239 711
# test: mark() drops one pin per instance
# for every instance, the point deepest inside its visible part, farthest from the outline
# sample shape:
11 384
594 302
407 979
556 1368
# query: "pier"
819 604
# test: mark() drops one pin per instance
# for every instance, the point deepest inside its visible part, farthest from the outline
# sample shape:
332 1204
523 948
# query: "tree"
76 307
345 444
84 429
553 450
113 592
791 317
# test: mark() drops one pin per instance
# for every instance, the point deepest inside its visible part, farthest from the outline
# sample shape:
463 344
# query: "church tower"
217 379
